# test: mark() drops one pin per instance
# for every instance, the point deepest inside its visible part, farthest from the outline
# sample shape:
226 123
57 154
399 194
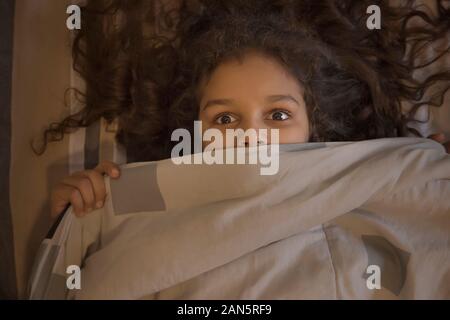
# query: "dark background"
8 287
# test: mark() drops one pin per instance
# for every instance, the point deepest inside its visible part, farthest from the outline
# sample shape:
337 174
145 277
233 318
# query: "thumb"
438 137
109 168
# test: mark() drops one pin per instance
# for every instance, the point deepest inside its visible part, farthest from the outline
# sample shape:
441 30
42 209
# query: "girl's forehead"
257 75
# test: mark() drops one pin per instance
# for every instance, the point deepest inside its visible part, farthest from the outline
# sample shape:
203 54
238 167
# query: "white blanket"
341 220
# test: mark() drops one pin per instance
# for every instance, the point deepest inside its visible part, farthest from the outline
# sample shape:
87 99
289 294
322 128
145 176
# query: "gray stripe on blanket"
392 261
137 190
45 273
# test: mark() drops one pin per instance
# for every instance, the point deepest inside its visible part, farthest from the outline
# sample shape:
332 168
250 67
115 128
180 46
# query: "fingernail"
99 204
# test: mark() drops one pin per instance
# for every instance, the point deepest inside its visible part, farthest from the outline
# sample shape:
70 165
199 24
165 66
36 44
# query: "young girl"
311 69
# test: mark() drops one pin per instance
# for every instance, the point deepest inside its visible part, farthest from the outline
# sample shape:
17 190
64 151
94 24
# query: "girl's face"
258 94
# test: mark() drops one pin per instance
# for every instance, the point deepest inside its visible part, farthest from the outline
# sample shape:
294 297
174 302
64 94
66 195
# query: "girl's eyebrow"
225 102
282 97
271 98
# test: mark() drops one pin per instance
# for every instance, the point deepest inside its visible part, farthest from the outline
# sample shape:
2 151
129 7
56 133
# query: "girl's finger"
72 195
438 137
84 187
60 197
77 202
98 184
108 167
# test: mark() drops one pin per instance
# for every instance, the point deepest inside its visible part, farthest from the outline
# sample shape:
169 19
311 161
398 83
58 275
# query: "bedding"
318 228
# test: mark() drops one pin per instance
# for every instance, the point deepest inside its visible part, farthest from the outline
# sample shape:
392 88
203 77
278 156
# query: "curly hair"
142 62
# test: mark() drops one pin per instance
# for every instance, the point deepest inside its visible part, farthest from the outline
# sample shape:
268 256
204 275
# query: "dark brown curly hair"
142 62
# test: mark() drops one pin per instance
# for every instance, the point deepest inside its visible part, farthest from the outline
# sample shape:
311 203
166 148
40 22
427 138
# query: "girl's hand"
440 137
84 190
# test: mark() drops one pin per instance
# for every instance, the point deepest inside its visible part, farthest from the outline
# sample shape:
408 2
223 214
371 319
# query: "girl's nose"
256 136
251 123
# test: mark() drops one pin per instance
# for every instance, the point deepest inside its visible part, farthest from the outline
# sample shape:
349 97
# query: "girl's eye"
279 115
225 119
